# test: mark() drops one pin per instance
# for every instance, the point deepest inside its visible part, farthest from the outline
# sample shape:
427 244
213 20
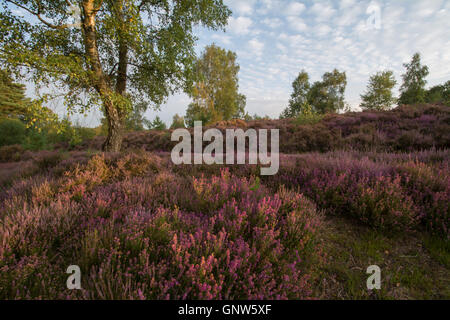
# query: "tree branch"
38 15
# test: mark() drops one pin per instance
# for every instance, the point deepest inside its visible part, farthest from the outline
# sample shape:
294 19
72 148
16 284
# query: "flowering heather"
404 129
140 227
139 231
396 192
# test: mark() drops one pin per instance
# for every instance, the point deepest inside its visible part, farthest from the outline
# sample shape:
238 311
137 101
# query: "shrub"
308 118
36 140
12 132
430 188
385 191
48 159
384 205
11 153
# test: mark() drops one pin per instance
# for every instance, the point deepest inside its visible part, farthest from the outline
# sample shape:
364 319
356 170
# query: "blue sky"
275 39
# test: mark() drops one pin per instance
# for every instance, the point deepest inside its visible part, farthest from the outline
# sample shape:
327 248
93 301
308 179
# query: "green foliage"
326 96
71 134
121 53
379 92
413 87
37 140
299 97
196 112
13 103
41 118
136 120
157 124
308 117
248 117
216 90
439 94
44 137
177 122
12 131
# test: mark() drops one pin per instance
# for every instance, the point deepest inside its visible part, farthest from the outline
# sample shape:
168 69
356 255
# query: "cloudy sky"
275 39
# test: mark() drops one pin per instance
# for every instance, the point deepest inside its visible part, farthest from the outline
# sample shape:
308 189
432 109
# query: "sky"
276 39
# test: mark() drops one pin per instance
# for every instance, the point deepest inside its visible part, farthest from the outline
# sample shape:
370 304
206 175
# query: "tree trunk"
114 115
113 142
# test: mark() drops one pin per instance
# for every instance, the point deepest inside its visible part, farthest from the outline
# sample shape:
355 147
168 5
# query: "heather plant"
137 164
429 186
48 159
384 205
386 191
11 153
154 234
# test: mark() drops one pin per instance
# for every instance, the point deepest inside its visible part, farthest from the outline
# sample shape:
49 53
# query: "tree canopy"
177 122
299 97
114 53
379 94
13 102
215 92
326 96
157 124
439 94
413 87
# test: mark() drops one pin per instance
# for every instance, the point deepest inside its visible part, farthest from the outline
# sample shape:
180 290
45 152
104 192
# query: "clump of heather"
395 192
384 205
140 231
429 186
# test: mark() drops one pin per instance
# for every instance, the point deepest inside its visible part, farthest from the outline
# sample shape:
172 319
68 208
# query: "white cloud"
322 30
280 37
241 7
256 47
222 38
294 9
240 25
282 48
272 23
297 24
322 11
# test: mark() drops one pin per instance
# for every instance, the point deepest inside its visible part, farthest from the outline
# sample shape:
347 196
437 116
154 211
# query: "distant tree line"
328 95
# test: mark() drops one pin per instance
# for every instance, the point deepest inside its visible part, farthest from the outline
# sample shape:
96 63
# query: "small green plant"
308 116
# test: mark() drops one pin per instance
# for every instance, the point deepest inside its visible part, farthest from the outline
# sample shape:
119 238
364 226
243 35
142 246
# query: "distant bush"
48 159
308 118
11 153
37 140
12 132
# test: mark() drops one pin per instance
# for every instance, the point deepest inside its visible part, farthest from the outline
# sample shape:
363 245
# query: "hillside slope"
406 128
